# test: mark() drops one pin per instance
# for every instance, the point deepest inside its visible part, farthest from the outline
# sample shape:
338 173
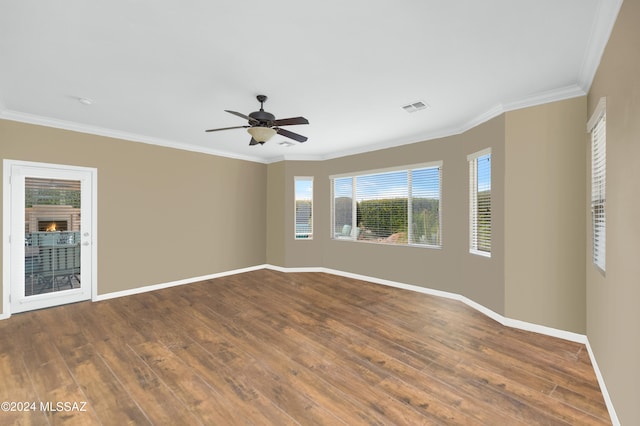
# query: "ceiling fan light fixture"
261 134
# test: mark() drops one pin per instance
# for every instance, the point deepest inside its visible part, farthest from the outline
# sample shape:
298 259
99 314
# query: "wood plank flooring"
266 347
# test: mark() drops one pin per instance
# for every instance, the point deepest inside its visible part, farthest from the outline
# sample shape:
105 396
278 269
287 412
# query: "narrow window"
480 202
597 126
304 207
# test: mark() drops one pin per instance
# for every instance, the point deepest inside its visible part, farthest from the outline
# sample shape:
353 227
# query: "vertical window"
480 202
597 126
304 207
392 206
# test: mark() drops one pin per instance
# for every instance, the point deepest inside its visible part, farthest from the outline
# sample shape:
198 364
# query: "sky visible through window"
484 173
391 185
304 189
372 187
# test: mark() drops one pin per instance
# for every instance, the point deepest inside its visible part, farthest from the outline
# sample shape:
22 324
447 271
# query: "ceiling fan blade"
290 121
253 142
291 135
241 115
227 128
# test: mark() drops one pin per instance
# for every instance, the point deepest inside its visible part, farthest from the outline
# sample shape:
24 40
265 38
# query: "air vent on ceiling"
416 106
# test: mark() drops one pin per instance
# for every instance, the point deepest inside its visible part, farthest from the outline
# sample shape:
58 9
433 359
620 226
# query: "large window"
480 202
304 207
392 206
597 126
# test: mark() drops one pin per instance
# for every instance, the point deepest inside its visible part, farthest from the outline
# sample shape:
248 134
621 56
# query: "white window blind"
397 206
304 207
480 202
598 129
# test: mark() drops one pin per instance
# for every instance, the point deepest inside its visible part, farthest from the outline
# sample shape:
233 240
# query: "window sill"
481 253
379 243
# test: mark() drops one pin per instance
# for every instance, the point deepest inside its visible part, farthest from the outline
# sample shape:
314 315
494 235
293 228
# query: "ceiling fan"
263 125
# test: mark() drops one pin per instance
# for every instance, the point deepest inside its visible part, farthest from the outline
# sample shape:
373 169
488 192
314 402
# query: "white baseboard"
603 388
508 322
513 323
154 287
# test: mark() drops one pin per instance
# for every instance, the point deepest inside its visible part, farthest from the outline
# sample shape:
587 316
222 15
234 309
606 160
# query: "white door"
52 241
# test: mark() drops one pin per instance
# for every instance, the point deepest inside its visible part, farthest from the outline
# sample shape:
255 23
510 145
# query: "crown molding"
560 94
110 133
600 32
535 99
545 97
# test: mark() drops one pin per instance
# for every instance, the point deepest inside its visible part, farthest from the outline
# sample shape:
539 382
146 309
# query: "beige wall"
544 214
541 282
276 232
538 160
451 268
222 199
613 315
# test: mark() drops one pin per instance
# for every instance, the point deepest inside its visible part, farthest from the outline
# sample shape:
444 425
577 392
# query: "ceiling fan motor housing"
264 117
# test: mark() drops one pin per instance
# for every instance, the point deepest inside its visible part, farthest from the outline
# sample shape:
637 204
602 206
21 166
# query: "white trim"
513 323
598 112
574 337
480 253
6 246
111 133
154 287
605 19
535 99
297 269
545 97
548 96
472 160
295 207
7 165
478 154
603 387
507 322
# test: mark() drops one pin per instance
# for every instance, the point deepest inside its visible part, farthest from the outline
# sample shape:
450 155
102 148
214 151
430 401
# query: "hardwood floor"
301 348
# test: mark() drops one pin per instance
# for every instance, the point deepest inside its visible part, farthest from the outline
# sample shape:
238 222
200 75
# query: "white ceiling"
163 71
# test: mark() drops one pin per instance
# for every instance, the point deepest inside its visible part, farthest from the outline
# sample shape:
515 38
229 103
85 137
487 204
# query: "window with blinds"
480 202
304 207
391 206
597 126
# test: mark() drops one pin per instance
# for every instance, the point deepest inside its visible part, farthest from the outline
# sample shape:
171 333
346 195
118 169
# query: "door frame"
7 223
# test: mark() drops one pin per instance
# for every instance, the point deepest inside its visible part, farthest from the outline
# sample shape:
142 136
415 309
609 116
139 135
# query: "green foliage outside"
383 217
52 197
380 219
304 219
484 221
426 221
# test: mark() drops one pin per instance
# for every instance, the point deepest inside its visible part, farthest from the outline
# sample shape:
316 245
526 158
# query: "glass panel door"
52 235
52 242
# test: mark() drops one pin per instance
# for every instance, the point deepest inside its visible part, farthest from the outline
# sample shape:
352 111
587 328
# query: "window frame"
406 168
597 128
301 236
472 160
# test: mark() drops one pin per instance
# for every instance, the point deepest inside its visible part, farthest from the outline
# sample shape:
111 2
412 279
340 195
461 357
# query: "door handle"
86 243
